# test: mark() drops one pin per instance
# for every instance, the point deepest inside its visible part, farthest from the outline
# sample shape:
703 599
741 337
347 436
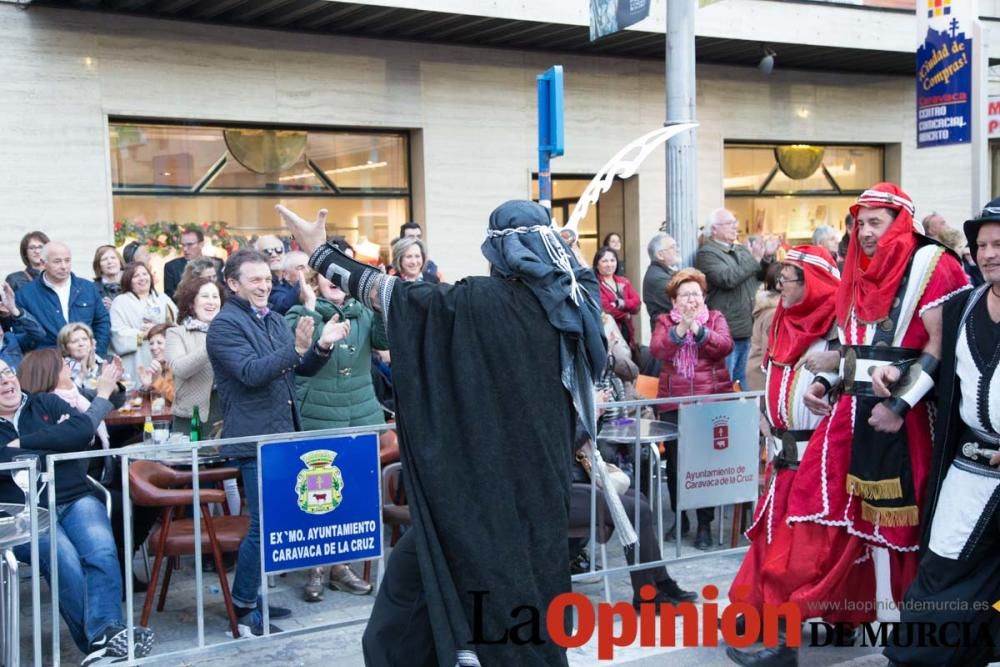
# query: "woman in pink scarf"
692 342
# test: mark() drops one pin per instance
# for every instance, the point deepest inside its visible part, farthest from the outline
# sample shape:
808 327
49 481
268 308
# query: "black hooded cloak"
489 377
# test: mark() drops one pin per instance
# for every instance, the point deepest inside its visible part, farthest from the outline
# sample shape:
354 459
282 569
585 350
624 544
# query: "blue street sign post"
550 128
320 502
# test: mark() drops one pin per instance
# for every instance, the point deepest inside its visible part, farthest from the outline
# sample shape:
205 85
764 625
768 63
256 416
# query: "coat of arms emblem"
720 433
320 486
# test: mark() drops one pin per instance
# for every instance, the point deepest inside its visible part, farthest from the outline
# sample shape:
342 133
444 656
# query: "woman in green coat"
341 394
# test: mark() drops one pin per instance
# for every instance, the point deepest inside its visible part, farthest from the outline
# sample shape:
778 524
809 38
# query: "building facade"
113 117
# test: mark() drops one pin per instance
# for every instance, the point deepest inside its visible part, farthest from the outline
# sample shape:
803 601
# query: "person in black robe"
491 376
959 576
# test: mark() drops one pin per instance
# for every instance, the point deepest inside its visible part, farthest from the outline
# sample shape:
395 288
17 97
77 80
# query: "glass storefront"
790 189
231 177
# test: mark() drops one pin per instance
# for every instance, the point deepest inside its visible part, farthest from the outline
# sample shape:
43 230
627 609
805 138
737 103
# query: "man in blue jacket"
59 297
255 359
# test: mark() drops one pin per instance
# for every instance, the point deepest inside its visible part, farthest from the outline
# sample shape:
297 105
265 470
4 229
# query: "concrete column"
682 200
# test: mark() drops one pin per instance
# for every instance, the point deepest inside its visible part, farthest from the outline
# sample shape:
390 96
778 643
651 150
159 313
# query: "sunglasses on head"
273 251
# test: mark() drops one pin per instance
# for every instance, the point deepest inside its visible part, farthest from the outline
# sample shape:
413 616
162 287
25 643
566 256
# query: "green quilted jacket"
341 394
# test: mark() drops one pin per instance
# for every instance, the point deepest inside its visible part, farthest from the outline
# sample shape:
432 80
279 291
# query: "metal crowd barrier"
176 453
160 452
656 482
11 534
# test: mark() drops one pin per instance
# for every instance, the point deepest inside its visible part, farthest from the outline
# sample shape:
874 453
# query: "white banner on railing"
717 459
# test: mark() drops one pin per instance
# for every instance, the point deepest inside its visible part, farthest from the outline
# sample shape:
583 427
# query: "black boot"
685 528
670 588
703 539
779 656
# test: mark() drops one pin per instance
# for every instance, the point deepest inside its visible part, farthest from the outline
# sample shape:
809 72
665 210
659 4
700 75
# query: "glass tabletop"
15 528
625 430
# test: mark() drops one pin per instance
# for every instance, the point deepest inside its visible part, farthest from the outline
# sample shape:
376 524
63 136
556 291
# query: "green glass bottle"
195 425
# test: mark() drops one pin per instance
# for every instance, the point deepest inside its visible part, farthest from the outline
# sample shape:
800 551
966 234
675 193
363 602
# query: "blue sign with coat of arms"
320 501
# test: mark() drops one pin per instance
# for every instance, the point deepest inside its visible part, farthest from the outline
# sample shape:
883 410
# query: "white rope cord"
557 253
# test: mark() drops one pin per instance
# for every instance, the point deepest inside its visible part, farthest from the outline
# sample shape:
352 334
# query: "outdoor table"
643 433
15 530
176 459
131 414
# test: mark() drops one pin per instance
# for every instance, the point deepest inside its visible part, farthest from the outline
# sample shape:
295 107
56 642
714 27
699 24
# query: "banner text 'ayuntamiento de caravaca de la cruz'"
944 72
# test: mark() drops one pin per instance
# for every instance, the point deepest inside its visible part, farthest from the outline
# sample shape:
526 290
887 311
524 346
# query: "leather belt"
860 361
788 447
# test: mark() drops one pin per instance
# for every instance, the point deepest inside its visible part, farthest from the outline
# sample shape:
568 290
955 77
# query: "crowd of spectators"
260 345
256 345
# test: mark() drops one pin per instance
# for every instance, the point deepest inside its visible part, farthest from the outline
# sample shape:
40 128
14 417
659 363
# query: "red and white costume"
796 332
869 486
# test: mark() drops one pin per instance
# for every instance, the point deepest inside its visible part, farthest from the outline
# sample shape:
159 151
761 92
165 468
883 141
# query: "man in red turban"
867 462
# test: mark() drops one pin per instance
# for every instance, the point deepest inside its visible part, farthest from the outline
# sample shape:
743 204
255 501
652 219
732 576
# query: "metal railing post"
199 578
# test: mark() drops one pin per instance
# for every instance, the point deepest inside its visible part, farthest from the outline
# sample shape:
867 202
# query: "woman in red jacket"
618 299
692 342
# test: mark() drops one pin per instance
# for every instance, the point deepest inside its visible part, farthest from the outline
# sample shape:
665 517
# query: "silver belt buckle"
972 450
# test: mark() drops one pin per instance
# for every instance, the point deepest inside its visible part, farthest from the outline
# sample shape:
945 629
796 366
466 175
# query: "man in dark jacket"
59 296
663 260
90 585
192 242
284 295
255 359
732 272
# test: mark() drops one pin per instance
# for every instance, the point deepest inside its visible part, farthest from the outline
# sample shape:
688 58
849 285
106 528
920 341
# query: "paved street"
176 625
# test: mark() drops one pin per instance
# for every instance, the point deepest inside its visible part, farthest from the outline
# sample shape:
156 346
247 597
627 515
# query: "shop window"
790 189
232 177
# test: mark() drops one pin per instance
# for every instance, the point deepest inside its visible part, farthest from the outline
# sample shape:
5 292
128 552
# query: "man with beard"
866 467
490 375
961 534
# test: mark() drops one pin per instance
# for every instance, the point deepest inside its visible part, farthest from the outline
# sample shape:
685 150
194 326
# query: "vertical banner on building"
718 455
609 16
320 502
993 117
944 71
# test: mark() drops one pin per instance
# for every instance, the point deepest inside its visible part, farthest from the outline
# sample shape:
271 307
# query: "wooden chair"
395 512
156 485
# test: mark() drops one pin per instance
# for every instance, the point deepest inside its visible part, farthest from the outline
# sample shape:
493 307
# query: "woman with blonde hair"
78 348
409 259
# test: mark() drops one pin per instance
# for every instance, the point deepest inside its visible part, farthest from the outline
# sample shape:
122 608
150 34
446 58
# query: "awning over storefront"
405 23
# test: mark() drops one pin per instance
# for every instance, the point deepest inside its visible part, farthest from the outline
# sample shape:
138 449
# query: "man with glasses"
802 341
284 294
733 273
663 261
192 243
